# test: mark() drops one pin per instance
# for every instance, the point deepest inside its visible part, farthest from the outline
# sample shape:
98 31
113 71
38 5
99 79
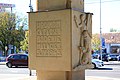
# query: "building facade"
112 42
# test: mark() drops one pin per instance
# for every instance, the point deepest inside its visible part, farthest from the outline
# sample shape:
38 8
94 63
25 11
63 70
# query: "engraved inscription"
48 35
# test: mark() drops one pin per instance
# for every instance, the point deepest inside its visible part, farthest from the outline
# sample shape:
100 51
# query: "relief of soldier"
85 36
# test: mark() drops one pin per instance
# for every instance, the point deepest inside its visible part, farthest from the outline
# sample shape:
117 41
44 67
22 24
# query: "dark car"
113 57
17 60
105 57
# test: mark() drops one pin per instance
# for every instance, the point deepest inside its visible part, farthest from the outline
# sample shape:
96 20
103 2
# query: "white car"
97 63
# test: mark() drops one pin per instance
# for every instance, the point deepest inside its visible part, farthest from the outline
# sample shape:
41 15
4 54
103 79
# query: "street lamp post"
30 6
100 33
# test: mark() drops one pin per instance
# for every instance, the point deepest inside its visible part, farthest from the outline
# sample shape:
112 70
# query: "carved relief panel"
82 34
49 38
50 47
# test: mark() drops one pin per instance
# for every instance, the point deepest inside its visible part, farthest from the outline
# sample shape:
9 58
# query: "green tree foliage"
24 43
95 42
113 30
11 31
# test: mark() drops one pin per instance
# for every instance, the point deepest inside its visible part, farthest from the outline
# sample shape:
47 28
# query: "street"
14 73
108 71
111 71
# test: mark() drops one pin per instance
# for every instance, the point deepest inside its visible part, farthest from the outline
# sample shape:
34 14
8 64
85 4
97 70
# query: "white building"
112 42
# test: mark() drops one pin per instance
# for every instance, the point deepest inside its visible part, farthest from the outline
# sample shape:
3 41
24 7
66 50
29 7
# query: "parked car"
105 57
113 57
17 60
2 59
97 63
95 55
118 58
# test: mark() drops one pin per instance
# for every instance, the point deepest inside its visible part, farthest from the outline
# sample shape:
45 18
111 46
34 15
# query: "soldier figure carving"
84 40
84 44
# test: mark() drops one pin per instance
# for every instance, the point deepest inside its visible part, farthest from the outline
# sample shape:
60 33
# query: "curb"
86 78
19 78
100 78
30 78
112 63
2 63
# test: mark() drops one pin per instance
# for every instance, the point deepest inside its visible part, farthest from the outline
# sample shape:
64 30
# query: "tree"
95 42
11 32
24 43
113 30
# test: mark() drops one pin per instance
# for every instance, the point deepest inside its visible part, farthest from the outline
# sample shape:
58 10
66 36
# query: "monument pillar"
60 35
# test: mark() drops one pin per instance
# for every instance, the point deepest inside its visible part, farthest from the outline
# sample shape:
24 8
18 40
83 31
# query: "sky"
21 6
110 10
110 14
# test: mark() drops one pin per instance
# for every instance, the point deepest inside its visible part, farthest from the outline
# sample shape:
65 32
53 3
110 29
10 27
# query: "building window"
114 49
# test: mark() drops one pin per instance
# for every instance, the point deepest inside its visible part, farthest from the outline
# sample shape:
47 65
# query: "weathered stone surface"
61 75
81 39
43 5
49 42
60 40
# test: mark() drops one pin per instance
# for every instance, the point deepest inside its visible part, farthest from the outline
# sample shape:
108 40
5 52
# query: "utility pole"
100 33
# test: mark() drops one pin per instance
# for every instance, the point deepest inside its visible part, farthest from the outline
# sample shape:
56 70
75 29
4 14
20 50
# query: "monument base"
60 75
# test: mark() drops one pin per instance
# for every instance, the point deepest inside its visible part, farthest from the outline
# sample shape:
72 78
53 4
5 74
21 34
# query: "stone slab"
61 75
50 41
55 40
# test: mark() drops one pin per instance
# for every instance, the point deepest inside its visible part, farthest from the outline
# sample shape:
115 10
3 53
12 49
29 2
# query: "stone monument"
60 35
43 5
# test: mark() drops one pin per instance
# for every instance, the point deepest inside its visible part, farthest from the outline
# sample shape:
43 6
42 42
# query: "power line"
103 2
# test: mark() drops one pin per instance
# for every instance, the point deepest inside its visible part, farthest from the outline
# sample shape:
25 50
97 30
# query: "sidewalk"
86 78
30 78
2 63
99 78
21 78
